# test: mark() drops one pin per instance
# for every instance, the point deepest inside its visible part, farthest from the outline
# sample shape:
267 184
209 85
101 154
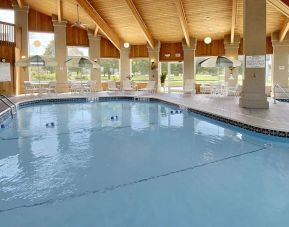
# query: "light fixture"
178 55
23 57
153 65
37 43
167 55
126 45
208 40
3 60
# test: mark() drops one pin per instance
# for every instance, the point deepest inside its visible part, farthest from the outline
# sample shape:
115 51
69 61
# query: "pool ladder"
7 102
282 90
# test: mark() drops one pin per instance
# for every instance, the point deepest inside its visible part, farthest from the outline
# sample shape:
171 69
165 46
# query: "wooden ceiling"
160 17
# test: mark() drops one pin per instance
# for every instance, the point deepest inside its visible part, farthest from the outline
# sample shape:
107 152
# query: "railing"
283 91
7 102
7 34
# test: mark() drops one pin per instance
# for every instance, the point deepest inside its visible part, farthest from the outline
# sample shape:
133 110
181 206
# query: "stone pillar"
189 59
21 21
124 63
254 22
60 55
154 54
280 65
231 51
94 54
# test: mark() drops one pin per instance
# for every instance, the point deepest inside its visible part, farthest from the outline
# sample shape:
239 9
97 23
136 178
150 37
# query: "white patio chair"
90 86
51 87
126 86
189 86
235 91
30 88
150 87
111 86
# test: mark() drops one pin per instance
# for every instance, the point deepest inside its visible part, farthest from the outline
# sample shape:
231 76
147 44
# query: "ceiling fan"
78 23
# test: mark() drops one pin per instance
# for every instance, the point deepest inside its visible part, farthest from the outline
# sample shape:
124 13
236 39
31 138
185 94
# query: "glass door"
174 76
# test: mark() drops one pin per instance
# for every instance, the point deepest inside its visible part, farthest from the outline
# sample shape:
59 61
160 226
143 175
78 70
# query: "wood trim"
234 19
76 36
138 51
183 20
215 48
269 47
103 26
6 4
39 22
284 30
8 53
108 50
170 52
141 22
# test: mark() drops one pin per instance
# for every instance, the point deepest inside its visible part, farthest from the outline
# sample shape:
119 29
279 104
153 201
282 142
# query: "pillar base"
254 101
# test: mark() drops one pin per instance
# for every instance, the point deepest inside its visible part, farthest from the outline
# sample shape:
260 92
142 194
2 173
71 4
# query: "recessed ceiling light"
208 40
207 18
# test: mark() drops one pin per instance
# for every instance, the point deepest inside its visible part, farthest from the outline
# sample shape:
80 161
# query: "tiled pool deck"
274 118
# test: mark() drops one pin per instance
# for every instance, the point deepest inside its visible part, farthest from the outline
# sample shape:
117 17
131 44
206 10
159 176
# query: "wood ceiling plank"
280 6
141 22
103 26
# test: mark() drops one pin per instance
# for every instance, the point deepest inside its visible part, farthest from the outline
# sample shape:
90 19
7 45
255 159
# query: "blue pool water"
148 168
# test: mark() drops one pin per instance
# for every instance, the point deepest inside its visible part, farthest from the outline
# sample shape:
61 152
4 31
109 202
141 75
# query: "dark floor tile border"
7 114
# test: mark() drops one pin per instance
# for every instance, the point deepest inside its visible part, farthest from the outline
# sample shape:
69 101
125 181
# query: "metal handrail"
274 91
13 107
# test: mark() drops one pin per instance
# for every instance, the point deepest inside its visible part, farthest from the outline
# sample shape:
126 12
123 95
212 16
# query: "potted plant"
163 78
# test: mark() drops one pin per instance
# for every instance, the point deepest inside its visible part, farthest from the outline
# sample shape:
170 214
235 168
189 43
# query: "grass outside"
176 81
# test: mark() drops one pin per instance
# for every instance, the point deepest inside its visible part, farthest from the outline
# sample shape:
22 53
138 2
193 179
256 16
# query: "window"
42 44
174 72
78 73
139 69
268 70
109 69
7 15
208 74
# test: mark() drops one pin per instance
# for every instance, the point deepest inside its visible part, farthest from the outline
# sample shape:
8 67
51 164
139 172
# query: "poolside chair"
189 86
30 88
51 87
111 86
235 91
90 86
126 86
150 87
76 87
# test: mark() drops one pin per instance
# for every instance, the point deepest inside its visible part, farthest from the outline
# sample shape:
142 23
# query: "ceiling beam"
183 20
281 6
59 10
103 26
141 23
284 30
234 18
96 30
20 3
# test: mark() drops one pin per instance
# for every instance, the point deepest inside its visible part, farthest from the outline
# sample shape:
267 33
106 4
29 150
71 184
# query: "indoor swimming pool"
138 164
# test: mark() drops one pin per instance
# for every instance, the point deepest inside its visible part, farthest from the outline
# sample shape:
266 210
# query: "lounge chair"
150 87
111 86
